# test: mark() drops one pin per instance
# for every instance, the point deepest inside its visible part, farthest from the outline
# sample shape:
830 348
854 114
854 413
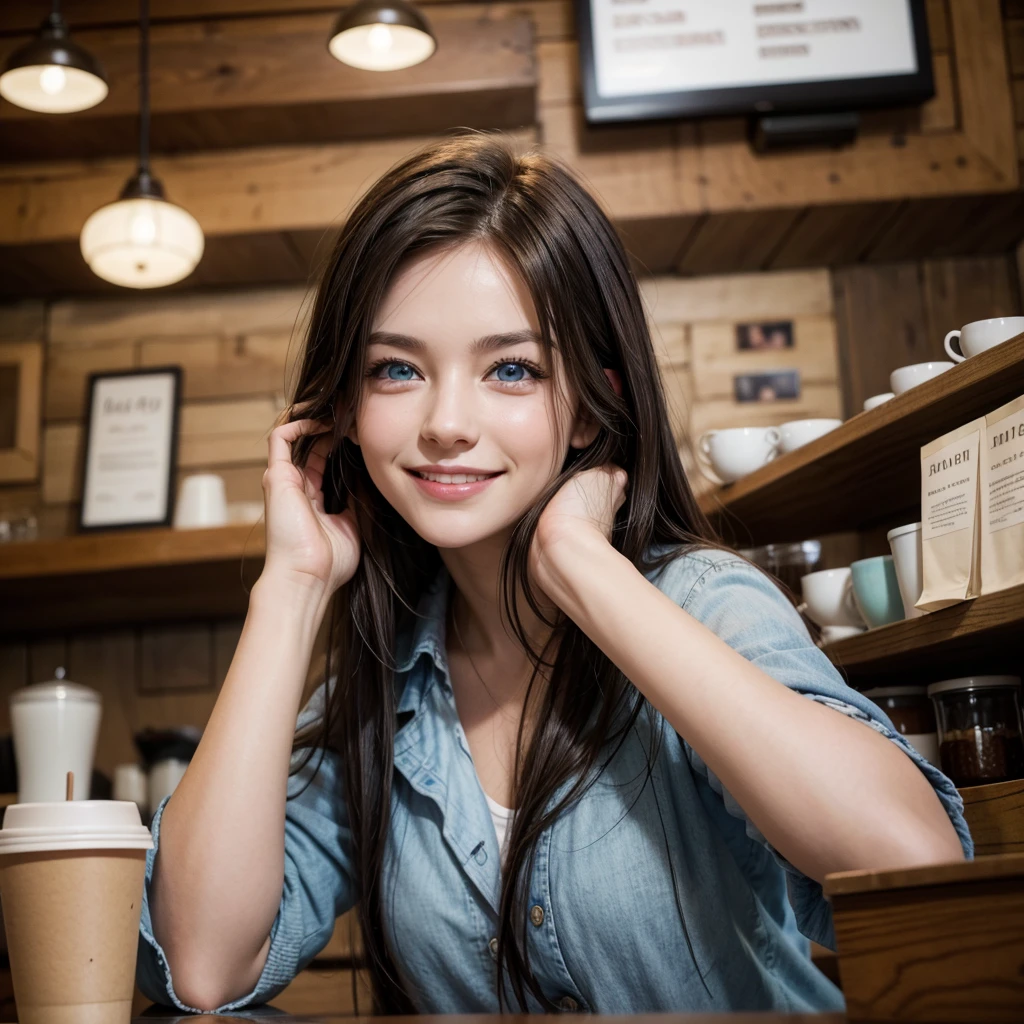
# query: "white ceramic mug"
907 377
796 433
730 454
829 600
831 634
202 502
905 544
980 335
876 400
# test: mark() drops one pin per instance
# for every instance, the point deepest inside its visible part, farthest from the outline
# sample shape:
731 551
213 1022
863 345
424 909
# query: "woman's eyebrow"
487 343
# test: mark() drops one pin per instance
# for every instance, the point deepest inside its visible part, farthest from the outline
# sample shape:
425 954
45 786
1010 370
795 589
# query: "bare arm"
218 875
219 872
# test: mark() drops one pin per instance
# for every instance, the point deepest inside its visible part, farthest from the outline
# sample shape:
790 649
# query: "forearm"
219 871
829 793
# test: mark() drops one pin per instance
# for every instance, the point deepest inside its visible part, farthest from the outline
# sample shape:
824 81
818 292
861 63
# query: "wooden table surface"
270 1012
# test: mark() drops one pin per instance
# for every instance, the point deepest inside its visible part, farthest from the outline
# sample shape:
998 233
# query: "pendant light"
51 73
142 240
382 35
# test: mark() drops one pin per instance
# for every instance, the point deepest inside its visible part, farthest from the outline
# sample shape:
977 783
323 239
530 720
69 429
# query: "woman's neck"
477 627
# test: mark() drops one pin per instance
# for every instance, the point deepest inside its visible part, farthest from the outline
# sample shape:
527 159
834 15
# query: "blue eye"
401 366
514 380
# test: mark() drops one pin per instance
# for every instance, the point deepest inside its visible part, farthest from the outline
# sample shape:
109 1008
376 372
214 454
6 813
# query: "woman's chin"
452 535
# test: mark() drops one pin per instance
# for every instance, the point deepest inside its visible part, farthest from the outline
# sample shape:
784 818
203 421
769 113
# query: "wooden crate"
938 943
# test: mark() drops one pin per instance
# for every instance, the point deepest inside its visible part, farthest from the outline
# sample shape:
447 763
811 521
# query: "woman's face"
444 391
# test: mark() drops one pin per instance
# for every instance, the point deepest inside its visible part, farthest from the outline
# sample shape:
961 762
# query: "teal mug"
877 591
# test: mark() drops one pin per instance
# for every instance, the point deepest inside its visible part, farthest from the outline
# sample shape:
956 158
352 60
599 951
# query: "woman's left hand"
586 503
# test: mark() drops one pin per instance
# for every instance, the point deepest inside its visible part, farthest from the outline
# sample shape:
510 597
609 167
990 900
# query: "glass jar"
979 729
788 563
912 714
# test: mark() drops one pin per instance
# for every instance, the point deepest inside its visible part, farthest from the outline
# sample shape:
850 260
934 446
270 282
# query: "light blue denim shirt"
610 937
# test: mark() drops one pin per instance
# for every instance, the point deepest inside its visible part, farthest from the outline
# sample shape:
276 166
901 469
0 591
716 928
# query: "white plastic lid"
974 683
895 691
55 690
900 530
74 825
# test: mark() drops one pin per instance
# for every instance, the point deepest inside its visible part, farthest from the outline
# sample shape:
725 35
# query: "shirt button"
568 1003
537 915
493 946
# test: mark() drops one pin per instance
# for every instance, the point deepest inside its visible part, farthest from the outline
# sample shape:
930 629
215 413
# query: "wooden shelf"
866 472
129 577
995 816
982 635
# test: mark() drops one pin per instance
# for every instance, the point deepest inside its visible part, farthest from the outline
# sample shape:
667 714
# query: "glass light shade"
52 88
142 242
382 35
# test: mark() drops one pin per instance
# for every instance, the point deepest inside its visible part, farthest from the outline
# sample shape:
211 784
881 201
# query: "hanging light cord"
144 87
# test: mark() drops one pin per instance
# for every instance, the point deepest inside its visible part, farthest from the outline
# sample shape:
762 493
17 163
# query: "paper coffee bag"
1002 498
950 534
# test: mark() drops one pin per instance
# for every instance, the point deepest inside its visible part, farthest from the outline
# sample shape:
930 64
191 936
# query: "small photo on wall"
768 336
766 387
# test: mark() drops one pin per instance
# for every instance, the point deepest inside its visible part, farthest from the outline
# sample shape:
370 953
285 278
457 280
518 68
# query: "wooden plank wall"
851 327
688 196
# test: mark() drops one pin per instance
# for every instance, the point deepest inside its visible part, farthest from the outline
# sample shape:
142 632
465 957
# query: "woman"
553 650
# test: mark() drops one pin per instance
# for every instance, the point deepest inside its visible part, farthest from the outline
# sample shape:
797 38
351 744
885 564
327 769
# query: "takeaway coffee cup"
730 454
980 335
71 877
202 502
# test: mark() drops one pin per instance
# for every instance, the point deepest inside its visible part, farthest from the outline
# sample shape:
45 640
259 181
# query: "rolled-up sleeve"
742 606
317 881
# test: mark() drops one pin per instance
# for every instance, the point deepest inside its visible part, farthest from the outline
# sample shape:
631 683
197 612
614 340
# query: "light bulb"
142 228
380 39
52 79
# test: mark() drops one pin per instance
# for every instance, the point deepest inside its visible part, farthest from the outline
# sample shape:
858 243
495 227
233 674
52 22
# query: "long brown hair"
542 222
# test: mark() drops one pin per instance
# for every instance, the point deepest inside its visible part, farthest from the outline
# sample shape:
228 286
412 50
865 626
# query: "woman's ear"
586 429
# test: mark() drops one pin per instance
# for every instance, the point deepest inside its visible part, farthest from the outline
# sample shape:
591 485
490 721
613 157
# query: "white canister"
905 544
130 783
54 727
164 777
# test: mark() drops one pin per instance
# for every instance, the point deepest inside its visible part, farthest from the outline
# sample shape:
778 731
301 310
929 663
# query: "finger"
281 437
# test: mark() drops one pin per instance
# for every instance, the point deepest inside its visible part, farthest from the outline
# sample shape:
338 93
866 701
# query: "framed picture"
21 388
131 449
766 387
762 337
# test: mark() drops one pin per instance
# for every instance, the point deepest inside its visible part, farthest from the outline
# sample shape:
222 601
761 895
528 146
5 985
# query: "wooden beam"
272 81
553 18
229 193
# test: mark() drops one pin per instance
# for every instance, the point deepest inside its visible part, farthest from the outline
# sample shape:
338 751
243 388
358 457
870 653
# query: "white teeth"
454 478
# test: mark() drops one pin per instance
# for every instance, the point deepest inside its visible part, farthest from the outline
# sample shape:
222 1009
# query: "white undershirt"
501 816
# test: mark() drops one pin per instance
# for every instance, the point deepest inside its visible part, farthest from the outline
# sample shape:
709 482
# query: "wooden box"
938 943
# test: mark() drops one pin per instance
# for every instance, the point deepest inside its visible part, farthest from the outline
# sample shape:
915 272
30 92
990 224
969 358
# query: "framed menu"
131 449
648 59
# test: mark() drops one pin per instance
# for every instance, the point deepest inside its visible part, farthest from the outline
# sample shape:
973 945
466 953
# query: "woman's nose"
451 413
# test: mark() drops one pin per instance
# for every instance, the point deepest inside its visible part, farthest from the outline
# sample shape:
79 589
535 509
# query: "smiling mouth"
454 478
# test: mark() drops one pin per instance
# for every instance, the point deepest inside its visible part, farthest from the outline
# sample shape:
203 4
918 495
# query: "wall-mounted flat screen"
647 59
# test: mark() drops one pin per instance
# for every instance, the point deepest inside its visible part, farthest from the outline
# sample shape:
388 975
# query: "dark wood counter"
266 1012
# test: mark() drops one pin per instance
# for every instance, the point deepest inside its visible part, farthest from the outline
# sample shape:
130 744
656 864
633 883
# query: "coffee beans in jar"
979 725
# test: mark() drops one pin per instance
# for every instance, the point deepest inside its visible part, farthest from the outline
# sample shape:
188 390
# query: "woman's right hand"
305 544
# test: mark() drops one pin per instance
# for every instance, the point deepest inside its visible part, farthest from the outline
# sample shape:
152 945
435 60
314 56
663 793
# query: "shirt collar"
425 636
